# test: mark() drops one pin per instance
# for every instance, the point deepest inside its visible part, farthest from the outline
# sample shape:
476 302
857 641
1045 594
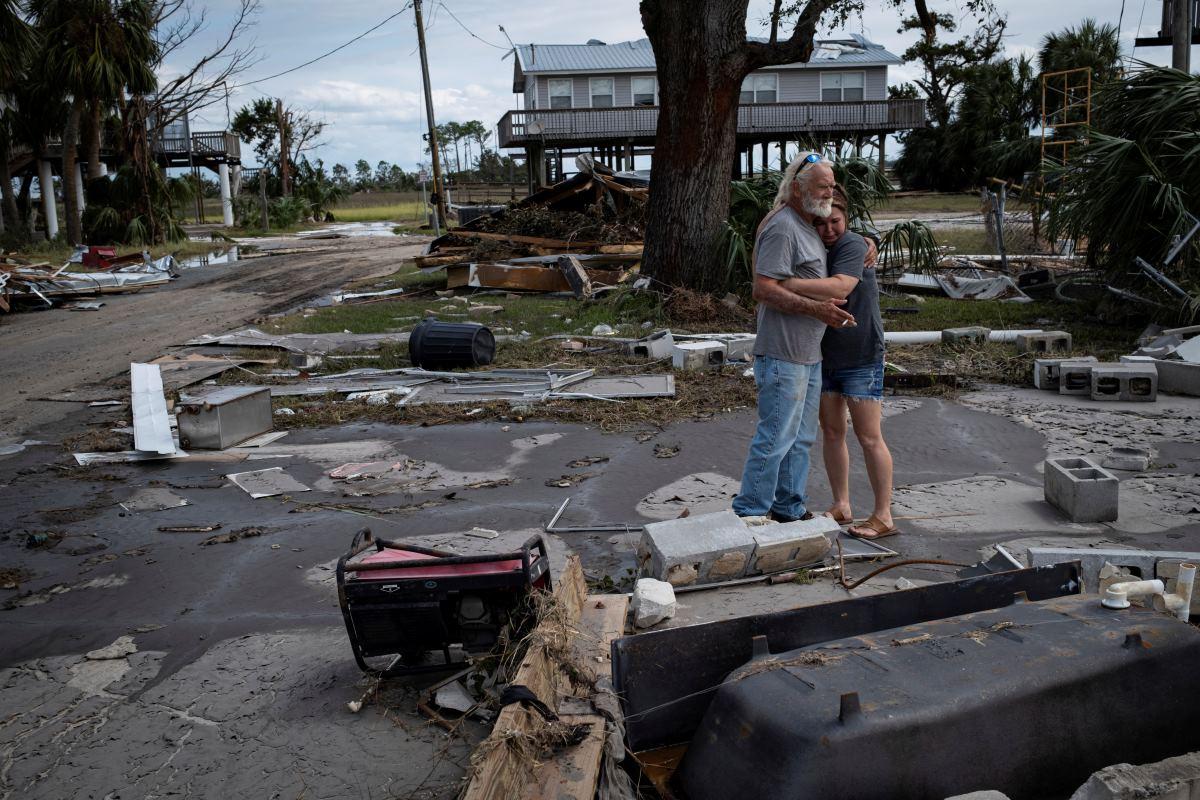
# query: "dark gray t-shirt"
843 348
788 247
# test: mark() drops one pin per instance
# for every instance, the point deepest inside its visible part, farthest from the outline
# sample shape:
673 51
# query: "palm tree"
1089 45
95 50
1131 186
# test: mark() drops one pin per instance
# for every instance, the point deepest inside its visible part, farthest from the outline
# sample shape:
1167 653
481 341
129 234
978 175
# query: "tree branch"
799 46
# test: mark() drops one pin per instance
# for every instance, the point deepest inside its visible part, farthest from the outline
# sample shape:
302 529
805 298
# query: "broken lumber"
499 770
573 271
528 278
516 238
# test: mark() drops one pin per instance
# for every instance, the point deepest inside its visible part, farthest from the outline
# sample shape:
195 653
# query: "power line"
468 30
331 52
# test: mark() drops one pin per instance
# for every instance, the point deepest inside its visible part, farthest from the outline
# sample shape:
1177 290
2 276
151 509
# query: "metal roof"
637 56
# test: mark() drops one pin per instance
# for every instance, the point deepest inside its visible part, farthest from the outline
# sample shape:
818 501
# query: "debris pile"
595 219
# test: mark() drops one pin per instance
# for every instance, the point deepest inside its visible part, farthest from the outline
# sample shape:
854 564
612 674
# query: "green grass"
409 211
928 203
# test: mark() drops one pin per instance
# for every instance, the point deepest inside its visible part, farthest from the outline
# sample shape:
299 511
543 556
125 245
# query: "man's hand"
872 253
831 313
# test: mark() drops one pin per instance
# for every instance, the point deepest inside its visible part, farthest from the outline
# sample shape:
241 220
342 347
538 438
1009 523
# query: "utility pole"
284 167
1181 35
438 194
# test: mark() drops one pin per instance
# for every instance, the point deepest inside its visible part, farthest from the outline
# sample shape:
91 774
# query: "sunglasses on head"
811 158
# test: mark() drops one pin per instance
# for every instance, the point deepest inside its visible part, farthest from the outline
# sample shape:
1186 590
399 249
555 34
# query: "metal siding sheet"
580 97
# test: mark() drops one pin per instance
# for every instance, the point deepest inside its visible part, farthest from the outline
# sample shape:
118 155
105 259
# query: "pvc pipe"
934 337
1180 602
1117 596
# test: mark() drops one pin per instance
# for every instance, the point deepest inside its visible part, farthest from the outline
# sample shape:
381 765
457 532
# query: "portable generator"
406 601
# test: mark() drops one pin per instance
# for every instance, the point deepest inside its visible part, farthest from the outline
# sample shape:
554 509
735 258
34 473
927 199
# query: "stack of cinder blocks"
1081 489
710 548
1130 381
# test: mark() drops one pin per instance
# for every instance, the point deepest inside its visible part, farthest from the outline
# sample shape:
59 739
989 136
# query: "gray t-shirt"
843 348
788 247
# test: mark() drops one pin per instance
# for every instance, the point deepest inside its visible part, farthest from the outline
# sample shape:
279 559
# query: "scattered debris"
666 450
151 428
233 536
569 480
216 526
153 498
267 482
220 418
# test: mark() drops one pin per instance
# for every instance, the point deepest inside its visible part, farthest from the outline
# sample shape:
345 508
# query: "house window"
837 86
560 92
760 89
645 91
601 90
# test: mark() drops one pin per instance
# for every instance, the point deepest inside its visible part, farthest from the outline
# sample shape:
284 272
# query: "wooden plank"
519 239
575 773
500 773
660 764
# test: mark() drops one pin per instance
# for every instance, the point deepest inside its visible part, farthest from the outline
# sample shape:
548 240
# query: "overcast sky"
370 92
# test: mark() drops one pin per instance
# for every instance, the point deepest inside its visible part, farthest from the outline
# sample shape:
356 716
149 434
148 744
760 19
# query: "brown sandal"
838 518
873 528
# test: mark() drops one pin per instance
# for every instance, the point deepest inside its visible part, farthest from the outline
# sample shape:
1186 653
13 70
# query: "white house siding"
876 83
622 90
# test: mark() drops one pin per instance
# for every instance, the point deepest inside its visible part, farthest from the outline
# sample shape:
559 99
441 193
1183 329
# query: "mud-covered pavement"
143 663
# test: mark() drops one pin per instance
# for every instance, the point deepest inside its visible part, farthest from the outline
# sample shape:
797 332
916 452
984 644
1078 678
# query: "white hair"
795 174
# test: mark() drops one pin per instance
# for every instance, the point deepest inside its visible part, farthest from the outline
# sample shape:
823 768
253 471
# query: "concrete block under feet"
696 356
705 548
1044 342
1081 489
1127 382
1047 372
792 544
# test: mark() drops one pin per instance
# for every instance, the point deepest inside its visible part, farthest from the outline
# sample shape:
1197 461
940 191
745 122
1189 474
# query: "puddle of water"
225 256
356 229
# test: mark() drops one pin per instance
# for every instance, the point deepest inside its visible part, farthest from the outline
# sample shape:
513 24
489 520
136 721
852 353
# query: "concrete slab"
700 548
701 493
1170 779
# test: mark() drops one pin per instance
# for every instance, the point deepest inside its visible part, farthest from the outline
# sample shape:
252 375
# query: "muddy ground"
142 663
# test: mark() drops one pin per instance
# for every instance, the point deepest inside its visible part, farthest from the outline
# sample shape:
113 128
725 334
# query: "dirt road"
45 353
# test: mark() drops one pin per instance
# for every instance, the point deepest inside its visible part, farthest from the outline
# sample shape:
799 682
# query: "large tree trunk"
95 129
70 158
699 49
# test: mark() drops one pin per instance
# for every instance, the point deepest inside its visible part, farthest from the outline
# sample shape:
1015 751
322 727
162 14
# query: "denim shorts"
857 383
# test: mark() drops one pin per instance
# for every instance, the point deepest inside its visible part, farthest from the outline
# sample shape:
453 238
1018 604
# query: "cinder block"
700 549
1044 342
1129 382
698 355
792 544
1046 372
1176 778
1075 377
1133 459
1092 559
657 345
1081 489
974 335
1136 359
1178 377
1168 570
738 346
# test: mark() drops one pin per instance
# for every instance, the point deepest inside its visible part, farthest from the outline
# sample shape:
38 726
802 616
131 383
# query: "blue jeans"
776 474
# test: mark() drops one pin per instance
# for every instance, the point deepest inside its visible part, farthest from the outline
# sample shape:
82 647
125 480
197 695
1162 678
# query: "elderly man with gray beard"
787 350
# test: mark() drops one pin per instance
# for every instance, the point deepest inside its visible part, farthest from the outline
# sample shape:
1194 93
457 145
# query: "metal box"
223 417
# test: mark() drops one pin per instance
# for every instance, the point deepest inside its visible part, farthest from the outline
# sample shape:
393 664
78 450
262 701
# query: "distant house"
603 98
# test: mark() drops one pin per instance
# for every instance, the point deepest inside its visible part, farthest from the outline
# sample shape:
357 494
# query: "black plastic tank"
442 345
1028 700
